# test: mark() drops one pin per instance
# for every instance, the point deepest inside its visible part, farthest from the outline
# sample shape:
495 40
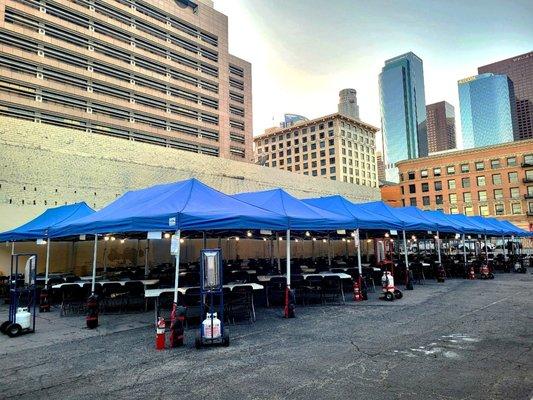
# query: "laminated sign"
174 245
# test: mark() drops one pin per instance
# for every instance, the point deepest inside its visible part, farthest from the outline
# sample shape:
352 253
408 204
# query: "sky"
304 51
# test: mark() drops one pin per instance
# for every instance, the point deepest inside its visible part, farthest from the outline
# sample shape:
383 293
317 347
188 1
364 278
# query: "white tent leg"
47 268
438 247
288 263
146 250
176 278
464 249
93 280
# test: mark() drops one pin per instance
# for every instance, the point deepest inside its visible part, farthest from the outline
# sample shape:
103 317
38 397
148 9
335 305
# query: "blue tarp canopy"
408 222
469 225
185 205
363 219
39 227
438 220
513 229
299 214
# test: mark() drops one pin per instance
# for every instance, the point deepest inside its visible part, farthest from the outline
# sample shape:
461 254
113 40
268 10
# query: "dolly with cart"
22 297
212 330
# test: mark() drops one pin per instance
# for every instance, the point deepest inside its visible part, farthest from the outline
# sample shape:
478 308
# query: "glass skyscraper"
488 110
403 111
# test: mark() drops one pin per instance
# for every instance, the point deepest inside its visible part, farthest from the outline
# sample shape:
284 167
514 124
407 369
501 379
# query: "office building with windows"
151 71
440 126
348 103
403 111
492 181
488 110
334 147
519 69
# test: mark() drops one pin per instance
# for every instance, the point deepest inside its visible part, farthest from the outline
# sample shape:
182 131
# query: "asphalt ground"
458 340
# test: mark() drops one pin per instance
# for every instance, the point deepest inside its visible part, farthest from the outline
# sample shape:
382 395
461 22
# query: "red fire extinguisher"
177 325
160 334
357 295
92 312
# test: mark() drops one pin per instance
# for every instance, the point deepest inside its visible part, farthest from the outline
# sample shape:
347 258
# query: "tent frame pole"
486 249
437 239
357 242
464 249
405 251
146 250
47 268
176 278
95 252
288 262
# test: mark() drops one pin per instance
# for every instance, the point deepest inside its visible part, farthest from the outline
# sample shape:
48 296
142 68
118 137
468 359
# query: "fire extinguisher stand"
212 330
22 299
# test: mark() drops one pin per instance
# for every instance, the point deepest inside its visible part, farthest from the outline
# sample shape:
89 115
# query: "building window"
425 200
450 170
465 182
480 181
402 189
401 177
482 195
454 210
499 209
453 198
480 166
469 210
451 184
511 161
498 194
412 188
438 199
424 173
465 168
513 177
436 171
438 186
425 187
484 210
495 164
516 208
530 192
411 176
515 193
529 176
412 201
323 171
528 160
497 179
467 197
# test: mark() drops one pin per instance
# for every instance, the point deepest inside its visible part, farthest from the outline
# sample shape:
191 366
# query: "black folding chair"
332 288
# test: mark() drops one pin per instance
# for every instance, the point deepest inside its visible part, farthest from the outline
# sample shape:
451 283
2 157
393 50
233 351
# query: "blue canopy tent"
184 205
300 215
363 219
40 226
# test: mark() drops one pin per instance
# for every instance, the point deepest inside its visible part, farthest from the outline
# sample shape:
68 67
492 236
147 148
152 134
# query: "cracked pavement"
457 340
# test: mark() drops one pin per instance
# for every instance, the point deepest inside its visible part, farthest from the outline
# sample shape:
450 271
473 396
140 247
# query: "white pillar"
146 250
12 248
279 258
464 249
93 280
176 278
486 249
405 250
47 268
357 242
288 246
438 247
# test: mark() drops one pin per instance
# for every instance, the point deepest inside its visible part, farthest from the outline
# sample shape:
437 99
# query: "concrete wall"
43 166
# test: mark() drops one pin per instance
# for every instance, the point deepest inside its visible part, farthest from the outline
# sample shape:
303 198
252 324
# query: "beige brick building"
44 166
150 71
492 181
335 147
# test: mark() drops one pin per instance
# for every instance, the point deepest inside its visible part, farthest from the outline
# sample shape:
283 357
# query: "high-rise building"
488 110
348 103
150 71
335 147
440 126
403 111
380 166
489 181
292 119
520 70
